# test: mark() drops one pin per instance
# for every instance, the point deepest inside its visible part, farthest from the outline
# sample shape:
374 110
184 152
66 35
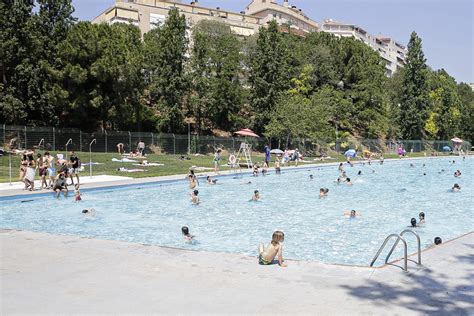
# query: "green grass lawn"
172 164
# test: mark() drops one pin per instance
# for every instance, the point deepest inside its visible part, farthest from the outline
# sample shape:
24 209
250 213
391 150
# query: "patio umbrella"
277 151
456 140
246 133
446 148
350 153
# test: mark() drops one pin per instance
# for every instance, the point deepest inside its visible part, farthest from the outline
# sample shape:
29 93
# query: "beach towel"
123 160
151 164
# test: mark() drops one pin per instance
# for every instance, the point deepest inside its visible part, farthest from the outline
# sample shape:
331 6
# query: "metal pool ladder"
398 238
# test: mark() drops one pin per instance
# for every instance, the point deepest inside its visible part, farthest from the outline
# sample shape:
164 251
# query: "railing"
55 139
398 238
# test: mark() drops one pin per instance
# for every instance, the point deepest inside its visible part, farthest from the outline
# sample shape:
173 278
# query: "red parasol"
246 132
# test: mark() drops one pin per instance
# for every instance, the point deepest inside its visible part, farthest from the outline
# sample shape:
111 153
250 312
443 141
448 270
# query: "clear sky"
445 26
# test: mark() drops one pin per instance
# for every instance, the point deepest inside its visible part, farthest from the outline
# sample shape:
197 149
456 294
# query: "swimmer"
192 181
442 170
421 218
348 181
456 188
381 160
188 238
454 161
457 173
412 165
256 196
90 212
311 177
359 173
77 193
352 214
255 170
277 167
209 180
274 249
195 197
424 173
413 222
341 167
438 241
323 192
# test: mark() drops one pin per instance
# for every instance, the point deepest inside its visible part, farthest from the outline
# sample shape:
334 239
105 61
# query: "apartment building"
391 51
286 14
147 14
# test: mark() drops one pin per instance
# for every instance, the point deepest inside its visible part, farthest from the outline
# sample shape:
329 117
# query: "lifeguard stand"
244 155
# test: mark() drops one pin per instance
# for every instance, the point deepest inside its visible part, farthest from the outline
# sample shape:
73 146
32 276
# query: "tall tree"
445 106
17 54
168 82
101 76
270 75
414 98
466 96
215 71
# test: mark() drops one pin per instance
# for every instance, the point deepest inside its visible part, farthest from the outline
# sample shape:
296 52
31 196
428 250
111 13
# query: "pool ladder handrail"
418 241
399 237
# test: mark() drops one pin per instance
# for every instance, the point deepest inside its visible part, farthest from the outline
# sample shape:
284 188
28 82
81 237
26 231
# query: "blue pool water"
315 229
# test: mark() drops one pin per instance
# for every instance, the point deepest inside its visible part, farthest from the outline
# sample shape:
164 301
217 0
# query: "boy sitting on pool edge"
274 249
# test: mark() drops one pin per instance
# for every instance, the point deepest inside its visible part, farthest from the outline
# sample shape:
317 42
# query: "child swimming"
456 188
352 214
209 180
188 238
256 196
323 192
195 197
421 217
274 249
77 193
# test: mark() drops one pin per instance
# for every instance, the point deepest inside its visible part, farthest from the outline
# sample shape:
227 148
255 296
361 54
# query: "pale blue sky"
445 26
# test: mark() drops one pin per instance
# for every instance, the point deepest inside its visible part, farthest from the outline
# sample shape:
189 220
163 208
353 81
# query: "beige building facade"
147 14
392 52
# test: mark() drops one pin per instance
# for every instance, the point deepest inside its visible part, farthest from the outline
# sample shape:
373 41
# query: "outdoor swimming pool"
315 229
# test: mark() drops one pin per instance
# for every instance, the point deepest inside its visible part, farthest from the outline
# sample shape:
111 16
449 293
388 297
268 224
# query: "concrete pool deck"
50 274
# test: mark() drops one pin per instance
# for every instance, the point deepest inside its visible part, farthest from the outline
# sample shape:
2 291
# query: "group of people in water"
274 250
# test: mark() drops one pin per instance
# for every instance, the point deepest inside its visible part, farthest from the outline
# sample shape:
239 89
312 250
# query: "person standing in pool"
195 197
256 196
217 161
267 157
274 249
188 238
421 217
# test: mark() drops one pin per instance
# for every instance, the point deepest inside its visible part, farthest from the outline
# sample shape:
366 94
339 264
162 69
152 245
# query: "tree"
16 59
100 76
445 106
270 75
216 96
168 46
414 98
466 96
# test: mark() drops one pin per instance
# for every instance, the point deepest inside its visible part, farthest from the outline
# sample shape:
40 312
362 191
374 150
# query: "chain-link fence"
54 139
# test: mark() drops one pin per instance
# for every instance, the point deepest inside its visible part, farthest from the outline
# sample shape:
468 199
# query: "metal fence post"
54 139
130 140
174 144
105 141
80 140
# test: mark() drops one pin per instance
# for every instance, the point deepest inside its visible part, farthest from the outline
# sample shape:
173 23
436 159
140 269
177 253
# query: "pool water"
387 196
